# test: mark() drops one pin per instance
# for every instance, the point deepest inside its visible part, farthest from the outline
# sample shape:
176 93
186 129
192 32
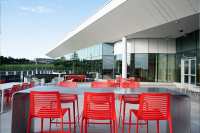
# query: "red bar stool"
131 79
114 85
47 105
99 106
2 81
31 84
24 86
70 77
153 106
82 77
67 98
76 77
110 81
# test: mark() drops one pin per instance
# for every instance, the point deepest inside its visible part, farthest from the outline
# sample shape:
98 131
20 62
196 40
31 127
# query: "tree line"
11 60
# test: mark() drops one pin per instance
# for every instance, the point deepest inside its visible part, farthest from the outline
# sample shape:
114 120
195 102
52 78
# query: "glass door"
189 71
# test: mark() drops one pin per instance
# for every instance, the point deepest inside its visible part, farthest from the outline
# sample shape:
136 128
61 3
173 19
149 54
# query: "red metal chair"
138 80
2 82
114 84
70 77
132 79
99 106
67 98
24 86
47 105
110 81
122 80
153 106
76 77
31 85
82 77
131 99
99 84
8 96
117 79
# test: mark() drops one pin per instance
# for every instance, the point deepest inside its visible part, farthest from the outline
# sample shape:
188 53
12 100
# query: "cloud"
4 2
37 9
3 50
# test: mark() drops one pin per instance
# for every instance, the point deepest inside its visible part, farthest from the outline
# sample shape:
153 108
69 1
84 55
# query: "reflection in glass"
117 65
108 62
193 80
162 67
141 67
152 67
171 68
178 67
108 49
193 66
186 79
186 66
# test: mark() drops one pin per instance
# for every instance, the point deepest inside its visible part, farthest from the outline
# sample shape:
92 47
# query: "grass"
20 67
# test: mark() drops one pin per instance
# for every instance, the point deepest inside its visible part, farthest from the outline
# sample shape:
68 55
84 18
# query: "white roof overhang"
131 18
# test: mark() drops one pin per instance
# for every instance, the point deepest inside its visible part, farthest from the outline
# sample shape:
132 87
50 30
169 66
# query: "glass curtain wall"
117 65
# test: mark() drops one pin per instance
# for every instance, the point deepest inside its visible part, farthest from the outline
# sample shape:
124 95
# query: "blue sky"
30 27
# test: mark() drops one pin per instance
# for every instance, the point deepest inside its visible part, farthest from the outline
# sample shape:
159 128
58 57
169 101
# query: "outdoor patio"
6 116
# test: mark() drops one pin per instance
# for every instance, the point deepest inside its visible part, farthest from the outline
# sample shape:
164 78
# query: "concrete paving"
6 116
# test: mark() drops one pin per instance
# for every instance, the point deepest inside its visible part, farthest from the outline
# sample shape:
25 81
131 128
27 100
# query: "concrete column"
124 57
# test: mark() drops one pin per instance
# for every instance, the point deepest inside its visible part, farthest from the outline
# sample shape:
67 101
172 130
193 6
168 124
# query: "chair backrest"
99 84
131 79
110 81
114 85
82 76
2 81
45 104
117 79
131 85
76 76
138 80
14 89
122 80
68 84
99 106
70 77
154 106
31 85
24 86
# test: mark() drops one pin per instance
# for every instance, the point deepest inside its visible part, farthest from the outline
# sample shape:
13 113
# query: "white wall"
147 46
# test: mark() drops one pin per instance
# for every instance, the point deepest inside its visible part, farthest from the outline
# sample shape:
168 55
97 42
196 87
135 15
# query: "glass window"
186 67
162 67
108 49
96 49
178 45
130 65
171 68
189 42
198 45
100 49
108 62
141 67
152 67
117 65
193 66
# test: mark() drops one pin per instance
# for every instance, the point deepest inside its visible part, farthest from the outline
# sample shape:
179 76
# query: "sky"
30 27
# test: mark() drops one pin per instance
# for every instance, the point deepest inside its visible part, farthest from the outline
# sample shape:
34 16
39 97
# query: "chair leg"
10 103
61 124
147 126
41 124
123 117
56 122
29 124
78 111
85 131
157 126
130 122
82 125
74 117
50 125
120 109
170 124
69 121
137 126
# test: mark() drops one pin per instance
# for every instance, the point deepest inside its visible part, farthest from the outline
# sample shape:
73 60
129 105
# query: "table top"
9 85
117 90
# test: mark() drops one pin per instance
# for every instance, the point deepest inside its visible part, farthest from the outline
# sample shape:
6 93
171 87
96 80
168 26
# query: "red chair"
117 79
47 105
31 85
2 82
76 77
82 77
70 77
99 84
138 80
8 96
131 99
122 80
153 106
132 79
110 81
114 84
99 106
67 98
24 86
